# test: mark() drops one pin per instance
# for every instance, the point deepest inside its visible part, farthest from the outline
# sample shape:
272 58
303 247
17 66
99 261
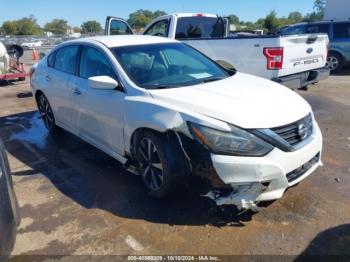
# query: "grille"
296 132
295 174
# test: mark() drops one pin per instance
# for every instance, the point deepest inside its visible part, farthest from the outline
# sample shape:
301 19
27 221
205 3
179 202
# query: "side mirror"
103 82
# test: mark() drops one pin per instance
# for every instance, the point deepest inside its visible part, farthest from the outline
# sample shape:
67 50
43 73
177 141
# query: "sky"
78 11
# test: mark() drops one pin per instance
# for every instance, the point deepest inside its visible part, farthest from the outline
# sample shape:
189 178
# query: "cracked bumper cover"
245 174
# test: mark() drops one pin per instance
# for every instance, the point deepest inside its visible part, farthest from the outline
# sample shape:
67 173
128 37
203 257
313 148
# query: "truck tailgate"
303 53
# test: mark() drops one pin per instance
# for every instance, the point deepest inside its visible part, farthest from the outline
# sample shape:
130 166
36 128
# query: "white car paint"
4 59
107 119
31 45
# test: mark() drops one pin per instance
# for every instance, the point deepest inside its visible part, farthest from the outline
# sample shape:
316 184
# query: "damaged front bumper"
255 179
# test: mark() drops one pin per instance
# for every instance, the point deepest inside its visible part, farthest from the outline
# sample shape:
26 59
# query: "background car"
9 211
31 45
339 36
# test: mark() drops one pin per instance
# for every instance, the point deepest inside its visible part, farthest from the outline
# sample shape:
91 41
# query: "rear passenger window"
316 29
66 59
51 59
94 63
341 30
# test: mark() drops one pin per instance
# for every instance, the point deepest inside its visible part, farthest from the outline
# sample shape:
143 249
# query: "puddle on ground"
13 118
36 134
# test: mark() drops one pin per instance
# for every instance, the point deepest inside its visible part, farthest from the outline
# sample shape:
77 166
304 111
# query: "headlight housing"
238 142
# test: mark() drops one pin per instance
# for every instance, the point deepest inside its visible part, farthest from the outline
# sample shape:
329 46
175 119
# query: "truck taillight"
274 56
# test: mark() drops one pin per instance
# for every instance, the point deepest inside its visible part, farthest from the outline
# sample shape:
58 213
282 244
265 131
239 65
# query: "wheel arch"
38 93
168 133
333 51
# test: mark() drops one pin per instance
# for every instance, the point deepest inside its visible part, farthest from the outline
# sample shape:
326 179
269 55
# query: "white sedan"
31 45
169 111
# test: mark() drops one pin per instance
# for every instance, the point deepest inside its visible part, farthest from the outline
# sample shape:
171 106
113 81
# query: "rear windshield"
200 27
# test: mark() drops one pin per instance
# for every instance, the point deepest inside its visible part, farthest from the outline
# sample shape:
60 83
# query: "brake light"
274 57
199 15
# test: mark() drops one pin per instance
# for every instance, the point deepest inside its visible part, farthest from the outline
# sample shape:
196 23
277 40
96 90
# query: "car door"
117 26
60 73
341 39
99 113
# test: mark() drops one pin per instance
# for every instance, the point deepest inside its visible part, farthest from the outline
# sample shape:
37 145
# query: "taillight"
274 57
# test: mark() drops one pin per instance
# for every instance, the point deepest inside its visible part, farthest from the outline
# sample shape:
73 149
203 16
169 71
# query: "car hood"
242 100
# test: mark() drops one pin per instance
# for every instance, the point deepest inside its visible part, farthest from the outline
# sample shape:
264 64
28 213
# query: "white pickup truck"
294 61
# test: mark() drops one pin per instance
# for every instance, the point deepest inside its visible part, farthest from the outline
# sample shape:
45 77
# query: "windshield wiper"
159 86
213 78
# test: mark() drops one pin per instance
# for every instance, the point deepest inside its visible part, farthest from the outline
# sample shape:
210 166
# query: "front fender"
147 112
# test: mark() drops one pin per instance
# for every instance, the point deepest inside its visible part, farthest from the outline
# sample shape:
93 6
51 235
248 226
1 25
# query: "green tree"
319 6
76 29
141 18
233 19
27 26
91 27
318 13
295 17
9 27
57 26
272 23
260 23
158 13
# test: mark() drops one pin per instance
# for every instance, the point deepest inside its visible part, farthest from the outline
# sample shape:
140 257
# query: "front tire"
158 163
46 114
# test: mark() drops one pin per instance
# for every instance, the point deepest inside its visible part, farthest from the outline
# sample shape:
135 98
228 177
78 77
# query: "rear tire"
335 62
160 165
46 114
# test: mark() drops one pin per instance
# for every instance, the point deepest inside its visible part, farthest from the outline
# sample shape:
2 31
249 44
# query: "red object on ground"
35 55
16 71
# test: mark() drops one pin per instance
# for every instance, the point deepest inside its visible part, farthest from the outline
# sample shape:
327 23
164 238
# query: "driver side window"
160 28
94 63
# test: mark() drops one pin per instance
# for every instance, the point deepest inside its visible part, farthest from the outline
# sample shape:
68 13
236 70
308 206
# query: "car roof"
126 40
319 22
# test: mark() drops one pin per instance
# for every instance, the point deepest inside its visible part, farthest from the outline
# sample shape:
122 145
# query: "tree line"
271 23
140 18
29 26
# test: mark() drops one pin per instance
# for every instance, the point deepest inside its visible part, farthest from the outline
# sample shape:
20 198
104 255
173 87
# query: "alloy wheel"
151 167
46 112
332 63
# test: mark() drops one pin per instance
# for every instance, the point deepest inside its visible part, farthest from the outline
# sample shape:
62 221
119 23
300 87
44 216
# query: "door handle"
48 78
76 91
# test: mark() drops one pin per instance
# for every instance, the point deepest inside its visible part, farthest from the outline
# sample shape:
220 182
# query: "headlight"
238 142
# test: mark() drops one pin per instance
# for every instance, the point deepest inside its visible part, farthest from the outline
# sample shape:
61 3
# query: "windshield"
167 65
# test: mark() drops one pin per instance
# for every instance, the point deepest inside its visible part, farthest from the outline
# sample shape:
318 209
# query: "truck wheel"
158 163
47 115
334 62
